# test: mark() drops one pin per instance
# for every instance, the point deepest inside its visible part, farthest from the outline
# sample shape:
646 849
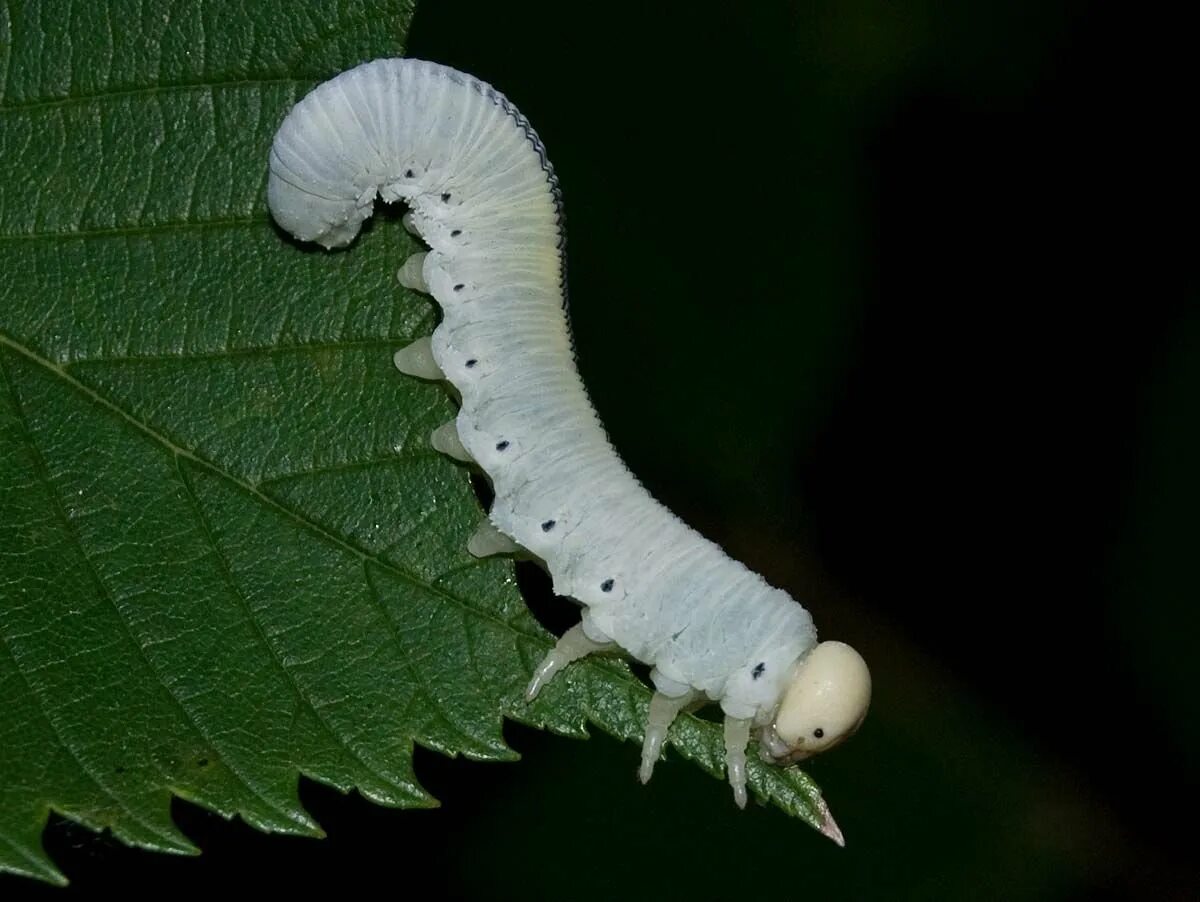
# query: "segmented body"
483 195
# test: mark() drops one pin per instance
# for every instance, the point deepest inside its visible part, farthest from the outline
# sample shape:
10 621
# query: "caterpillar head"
824 703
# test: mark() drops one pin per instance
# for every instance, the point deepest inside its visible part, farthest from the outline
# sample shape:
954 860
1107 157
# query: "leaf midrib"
614 675
611 673
210 467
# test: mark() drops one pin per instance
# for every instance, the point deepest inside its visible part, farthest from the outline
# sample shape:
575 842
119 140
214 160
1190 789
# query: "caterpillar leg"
417 360
663 711
445 440
409 226
737 737
411 275
573 645
487 540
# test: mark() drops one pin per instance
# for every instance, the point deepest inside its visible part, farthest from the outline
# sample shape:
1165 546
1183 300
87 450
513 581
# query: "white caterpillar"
482 194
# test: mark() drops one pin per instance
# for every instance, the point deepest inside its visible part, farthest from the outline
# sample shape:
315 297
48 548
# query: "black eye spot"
758 669
548 525
818 732
408 173
500 446
606 586
456 233
471 362
446 197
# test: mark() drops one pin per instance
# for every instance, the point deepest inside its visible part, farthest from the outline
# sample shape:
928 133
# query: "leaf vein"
249 351
418 684
620 681
161 228
243 603
155 90
66 746
252 490
103 590
350 466
38 863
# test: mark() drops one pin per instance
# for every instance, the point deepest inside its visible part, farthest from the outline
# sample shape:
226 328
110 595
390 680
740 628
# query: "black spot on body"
500 446
471 362
548 525
606 586
446 197
758 670
818 732
408 173
459 287
455 233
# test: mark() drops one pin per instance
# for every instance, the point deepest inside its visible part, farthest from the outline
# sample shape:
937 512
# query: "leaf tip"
828 825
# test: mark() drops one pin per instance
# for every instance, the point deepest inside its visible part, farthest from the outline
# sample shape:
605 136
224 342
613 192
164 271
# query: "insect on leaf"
228 554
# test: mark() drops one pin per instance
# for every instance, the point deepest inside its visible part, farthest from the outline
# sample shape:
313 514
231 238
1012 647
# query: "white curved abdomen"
484 198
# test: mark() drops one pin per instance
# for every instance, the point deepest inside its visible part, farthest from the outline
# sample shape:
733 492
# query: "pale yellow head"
824 703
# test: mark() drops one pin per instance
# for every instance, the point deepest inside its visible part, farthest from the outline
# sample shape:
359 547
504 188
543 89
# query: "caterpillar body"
483 196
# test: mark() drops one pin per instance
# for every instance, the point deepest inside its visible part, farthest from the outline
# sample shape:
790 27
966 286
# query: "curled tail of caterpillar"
483 196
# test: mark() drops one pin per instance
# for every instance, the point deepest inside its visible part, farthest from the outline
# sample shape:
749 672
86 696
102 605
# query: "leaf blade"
228 554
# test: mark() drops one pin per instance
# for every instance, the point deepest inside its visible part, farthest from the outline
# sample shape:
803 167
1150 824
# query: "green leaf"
228 555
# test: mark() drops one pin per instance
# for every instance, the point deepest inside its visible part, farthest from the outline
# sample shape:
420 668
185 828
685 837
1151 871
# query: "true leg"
573 645
663 711
737 737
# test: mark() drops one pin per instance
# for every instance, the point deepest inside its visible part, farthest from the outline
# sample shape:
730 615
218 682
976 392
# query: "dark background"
875 294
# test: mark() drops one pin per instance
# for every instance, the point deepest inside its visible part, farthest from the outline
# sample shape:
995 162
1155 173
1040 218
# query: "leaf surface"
228 555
